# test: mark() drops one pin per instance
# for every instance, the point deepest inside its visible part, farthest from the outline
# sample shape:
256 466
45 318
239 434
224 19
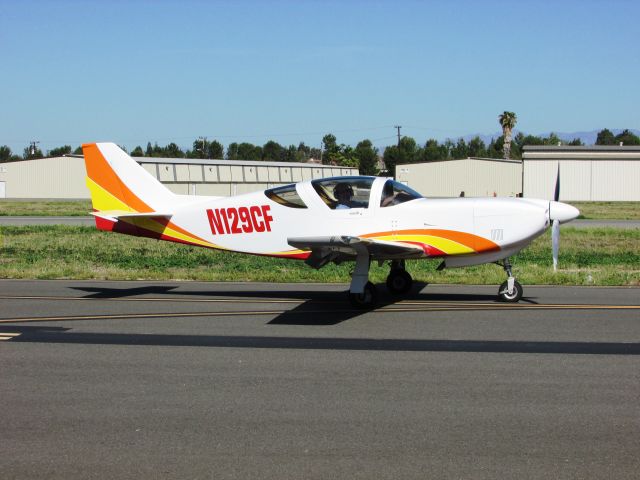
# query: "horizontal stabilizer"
115 215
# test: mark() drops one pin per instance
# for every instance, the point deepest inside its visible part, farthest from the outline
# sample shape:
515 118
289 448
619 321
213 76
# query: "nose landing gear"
511 290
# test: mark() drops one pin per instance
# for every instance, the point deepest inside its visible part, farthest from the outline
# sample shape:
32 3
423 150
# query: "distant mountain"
588 138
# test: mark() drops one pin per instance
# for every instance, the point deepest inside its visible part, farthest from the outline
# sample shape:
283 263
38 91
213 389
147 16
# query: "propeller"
559 213
555 229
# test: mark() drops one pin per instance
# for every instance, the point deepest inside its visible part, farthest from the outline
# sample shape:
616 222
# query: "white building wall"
58 177
64 177
475 177
583 180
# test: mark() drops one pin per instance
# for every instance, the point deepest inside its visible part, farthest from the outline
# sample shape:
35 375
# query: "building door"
3 192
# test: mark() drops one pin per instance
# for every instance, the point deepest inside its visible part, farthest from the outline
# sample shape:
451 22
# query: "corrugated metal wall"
64 177
59 177
583 180
475 177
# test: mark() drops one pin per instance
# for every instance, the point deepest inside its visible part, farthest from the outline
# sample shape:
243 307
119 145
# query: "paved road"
89 221
209 380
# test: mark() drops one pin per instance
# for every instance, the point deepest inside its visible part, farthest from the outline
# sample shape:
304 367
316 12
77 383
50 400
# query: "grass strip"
599 256
45 208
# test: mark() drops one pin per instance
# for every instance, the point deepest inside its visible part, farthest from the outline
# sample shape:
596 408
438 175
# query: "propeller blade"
555 229
555 242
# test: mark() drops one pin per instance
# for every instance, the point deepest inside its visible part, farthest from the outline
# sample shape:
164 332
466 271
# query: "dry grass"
608 210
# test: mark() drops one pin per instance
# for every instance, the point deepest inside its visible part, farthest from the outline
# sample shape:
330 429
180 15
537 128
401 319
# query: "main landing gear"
363 294
511 290
399 281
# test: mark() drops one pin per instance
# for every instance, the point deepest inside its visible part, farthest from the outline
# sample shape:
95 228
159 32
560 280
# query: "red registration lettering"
231 221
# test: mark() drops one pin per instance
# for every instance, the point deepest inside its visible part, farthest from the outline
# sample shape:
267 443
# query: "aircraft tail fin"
118 183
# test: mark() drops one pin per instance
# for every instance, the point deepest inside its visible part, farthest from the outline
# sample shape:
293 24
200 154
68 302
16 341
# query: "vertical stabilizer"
118 183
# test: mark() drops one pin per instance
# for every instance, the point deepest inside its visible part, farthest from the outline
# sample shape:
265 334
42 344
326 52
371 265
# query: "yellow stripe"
103 200
449 247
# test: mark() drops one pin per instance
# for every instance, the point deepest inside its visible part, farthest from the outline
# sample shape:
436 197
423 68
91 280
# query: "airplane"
337 219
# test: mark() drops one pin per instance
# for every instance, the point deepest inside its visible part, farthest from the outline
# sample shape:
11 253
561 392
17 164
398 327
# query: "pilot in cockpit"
343 192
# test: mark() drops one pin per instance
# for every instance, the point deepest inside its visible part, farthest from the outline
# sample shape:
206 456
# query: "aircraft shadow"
30 334
318 307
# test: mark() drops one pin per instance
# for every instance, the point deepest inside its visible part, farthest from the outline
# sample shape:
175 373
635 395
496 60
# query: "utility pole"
32 146
398 127
204 141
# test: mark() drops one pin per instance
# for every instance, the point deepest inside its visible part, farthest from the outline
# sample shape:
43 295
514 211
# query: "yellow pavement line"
152 299
280 312
8 336
135 315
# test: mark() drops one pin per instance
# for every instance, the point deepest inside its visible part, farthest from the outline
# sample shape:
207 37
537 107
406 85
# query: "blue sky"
138 71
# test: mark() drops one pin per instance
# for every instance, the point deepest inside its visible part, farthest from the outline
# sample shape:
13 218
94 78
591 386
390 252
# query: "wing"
344 247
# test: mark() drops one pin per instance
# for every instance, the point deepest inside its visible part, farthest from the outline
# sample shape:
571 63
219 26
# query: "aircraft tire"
399 281
514 297
366 300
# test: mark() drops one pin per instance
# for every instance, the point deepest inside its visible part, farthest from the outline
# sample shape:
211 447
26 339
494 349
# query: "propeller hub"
562 212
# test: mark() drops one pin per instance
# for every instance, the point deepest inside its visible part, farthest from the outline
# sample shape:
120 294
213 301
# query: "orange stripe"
475 242
99 170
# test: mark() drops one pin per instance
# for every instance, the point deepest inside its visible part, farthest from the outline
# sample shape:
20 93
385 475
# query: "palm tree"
507 121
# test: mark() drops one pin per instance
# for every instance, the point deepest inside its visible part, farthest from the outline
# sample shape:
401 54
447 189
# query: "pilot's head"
343 191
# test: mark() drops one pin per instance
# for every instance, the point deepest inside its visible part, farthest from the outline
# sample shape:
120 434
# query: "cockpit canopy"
345 192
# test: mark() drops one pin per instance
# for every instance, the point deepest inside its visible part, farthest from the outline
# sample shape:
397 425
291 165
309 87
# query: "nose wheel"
365 300
511 290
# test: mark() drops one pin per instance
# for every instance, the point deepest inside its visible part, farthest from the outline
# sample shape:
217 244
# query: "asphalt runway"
229 380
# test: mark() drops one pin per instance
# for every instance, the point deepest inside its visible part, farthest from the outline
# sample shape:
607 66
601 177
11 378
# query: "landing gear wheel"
512 297
399 281
365 300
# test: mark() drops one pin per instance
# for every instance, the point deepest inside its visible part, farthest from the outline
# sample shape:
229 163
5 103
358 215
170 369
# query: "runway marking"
152 299
126 316
450 303
8 336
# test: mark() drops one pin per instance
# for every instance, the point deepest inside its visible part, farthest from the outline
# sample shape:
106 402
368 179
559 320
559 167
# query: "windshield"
395 193
287 196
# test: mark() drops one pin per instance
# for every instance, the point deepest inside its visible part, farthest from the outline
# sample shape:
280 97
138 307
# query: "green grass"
45 208
603 256
608 210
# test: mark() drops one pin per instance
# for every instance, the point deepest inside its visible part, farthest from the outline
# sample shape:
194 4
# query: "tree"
432 151
137 152
605 137
477 147
78 150
507 121
406 151
5 154
391 157
248 151
330 147
627 138
232 151
173 151
460 150
494 150
367 157
216 150
60 151
272 151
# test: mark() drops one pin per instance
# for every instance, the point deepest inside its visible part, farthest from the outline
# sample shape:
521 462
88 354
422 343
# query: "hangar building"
476 177
593 173
64 177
